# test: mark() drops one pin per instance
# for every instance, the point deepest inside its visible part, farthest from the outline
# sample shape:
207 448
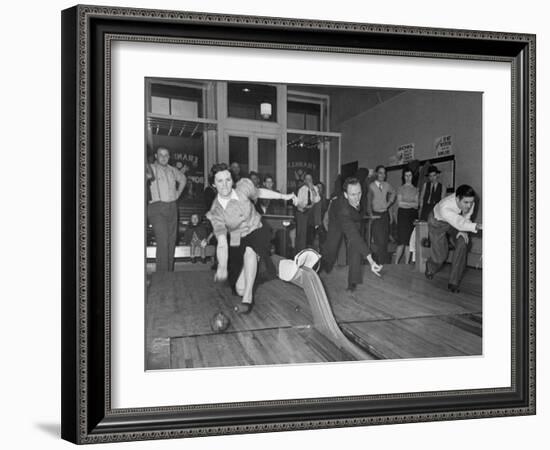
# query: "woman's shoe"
244 308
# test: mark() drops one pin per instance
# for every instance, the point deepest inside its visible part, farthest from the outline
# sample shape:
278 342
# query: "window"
238 152
267 156
244 101
304 116
177 101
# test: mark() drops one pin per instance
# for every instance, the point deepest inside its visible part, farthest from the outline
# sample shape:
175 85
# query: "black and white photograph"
274 222
304 223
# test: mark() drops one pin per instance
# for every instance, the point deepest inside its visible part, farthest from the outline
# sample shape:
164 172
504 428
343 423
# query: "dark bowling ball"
219 322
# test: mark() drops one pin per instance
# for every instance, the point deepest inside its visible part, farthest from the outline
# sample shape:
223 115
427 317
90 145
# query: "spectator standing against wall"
432 191
308 197
407 213
381 196
166 184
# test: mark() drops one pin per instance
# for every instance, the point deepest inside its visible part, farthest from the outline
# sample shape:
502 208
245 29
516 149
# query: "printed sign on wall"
443 145
301 160
405 153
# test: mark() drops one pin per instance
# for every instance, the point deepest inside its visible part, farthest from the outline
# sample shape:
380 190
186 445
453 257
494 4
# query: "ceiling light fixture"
265 110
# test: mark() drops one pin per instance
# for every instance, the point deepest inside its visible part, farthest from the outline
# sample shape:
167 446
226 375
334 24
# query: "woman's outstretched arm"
222 253
269 194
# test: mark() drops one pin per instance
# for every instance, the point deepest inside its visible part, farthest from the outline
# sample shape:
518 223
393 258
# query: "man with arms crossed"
381 196
166 184
345 220
450 221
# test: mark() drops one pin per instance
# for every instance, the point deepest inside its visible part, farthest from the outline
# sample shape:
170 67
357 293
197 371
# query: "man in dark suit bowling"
345 221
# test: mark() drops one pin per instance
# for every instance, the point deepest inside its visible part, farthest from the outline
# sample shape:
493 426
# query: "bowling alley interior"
279 136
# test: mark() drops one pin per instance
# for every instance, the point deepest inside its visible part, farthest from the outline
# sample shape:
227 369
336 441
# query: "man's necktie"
309 197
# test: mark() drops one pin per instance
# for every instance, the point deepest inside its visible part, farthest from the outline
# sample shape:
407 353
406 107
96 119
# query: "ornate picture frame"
88 33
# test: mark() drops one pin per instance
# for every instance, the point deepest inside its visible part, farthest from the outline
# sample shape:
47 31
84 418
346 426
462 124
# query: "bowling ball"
219 322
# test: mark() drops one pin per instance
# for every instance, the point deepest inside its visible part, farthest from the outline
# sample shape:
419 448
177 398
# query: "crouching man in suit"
345 221
450 221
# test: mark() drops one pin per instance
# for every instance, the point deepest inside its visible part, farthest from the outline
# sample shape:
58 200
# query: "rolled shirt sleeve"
316 196
247 188
215 216
180 178
461 223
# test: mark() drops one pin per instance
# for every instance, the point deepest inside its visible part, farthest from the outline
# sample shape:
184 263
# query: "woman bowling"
233 213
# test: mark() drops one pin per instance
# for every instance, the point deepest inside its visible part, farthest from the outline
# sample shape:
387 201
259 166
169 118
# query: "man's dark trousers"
163 216
303 221
345 223
380 234
440 234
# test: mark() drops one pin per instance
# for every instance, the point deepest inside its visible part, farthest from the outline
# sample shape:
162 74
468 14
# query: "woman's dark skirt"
259 241
405 224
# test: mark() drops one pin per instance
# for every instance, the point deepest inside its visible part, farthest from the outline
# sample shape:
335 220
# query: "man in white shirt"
166 184
307 213
381 196
450 220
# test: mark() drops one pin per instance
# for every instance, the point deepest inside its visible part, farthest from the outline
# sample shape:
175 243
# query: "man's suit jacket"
345 219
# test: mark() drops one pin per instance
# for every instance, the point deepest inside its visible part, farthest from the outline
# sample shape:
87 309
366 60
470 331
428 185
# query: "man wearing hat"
431 193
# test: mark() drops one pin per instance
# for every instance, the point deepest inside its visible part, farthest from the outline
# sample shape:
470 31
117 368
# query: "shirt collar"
223 202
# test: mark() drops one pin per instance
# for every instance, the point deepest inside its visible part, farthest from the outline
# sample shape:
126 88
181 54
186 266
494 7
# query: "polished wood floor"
402 315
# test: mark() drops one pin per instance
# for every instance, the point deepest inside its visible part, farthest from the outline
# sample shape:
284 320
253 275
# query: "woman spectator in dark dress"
233 213
407 213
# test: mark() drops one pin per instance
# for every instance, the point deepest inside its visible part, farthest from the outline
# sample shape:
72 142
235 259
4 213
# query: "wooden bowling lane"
268 346
401 315
323 316
402 292
182 304
404 315
425 337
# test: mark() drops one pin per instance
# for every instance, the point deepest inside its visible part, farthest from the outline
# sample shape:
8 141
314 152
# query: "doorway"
254 151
